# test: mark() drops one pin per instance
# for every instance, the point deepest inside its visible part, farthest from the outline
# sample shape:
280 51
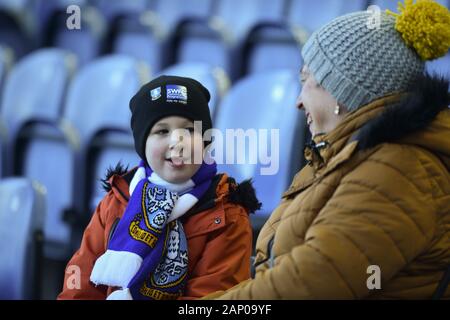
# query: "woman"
369 216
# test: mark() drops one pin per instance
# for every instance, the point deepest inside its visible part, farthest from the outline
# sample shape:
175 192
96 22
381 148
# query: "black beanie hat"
163 97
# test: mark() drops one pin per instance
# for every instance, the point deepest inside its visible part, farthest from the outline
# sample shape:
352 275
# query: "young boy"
170 228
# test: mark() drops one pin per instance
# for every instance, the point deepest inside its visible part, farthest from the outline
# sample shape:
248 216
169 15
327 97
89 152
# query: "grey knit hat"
357 64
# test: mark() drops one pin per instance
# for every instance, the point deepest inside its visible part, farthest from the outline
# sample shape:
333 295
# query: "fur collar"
427 97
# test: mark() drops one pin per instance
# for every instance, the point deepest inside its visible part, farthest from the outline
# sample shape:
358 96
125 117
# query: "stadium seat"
136 35
111 9
195 41
272 46
16 28
43 11
22 212
311 15
264 101
143 34
86 42
97 110
170 13
97 100
214 79
393 5
440 67
27 96
217 40
6 62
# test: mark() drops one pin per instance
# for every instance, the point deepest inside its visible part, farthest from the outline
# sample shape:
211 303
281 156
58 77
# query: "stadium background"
64 95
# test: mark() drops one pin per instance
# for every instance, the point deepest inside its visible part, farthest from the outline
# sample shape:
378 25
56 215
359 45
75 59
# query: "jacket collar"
222 188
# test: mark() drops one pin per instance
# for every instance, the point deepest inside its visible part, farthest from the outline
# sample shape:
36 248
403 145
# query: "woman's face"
170 148
319 105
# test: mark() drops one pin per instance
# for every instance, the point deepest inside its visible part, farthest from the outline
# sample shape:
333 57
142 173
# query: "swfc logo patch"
155 93
176 93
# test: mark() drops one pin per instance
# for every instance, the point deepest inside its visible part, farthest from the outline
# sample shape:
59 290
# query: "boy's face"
170 149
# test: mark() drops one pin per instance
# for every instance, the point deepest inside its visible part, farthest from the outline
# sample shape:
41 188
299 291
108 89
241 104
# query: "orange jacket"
217 229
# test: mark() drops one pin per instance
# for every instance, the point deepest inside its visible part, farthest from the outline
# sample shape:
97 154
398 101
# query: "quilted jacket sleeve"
380 214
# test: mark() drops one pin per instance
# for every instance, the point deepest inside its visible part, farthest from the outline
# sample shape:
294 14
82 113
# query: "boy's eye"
190 129
161 132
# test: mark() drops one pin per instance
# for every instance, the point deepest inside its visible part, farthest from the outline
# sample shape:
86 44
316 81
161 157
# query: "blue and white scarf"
147 256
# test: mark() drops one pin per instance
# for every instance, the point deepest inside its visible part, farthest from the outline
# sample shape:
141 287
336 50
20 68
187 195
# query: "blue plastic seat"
86 42
34 92
239 17
217 40
271 47
214 79
311 15
97 100
16 27
196 42
440 66
43 11
393 5
170 13
111 9
143 33
97 109
264 101
131 34
22 212
6 63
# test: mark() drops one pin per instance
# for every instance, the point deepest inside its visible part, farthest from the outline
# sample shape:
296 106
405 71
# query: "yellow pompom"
425 26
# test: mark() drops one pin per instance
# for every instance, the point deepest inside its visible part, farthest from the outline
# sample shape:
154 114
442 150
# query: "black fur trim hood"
428 96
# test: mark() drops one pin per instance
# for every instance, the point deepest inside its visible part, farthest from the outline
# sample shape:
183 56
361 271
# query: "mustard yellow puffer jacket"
375 193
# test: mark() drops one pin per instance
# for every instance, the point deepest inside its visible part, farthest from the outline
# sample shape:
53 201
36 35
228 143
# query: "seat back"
99 95
112 9
170 13
263 101
393 5
16 27
134 34
97 107
196 42
440 66
85 41
22 211
240 17
271 47
27 95
46 157
312 15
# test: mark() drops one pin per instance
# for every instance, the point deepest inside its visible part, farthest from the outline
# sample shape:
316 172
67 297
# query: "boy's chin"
177 176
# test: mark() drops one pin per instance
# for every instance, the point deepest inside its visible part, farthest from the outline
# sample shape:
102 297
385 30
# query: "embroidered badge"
155 93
